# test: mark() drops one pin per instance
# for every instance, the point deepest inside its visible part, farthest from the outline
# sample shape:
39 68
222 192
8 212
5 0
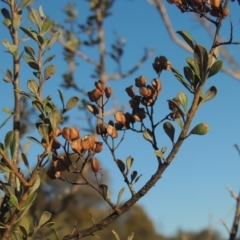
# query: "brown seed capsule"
145 92
76 146
134 102
93 109
70 134
225 11
58 133
99 85
215 3
98 147
139 116
88 142
95 166
147 101
101 128
61 164
108 92
171 105
112 131
129 119
96 94
120 117
156 84
119 126
140 81
51 174
175 114
130 91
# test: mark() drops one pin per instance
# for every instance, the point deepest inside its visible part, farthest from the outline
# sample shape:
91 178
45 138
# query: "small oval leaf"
129 163
44 218
147 134
49 71
121 165
32 86
72 102
200 129
169 130
183 100
120 195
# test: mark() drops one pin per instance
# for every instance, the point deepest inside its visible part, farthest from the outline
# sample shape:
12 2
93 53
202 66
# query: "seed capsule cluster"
214 7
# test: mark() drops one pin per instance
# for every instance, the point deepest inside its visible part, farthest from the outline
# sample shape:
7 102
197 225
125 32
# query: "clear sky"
191 194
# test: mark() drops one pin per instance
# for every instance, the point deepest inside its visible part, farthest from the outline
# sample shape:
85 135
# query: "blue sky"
191 194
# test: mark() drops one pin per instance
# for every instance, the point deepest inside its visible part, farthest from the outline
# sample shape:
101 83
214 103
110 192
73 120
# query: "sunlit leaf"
34 17
26 163
55 119
8 139
130 236
160 154
183 100
210 94
13 200
200 129
25 3
120 195
34 140
44 218
201 60
116 235
188 39
46 26
129 163
147 134
215 68
30 51
72 102
49 59
32 86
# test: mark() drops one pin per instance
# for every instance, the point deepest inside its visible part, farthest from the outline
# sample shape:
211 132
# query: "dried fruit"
61 164
70 134
76 146
101 128
108 92
171 105
95 166
112 131
156 84
93 109
130 91
99 85
98 147
215 3
120 117
139 116
140 81
225 11
88 142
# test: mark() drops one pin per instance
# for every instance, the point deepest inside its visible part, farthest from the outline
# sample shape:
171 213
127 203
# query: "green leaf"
30 51
163 150
210 94
180 123
9 75
130 236
29 33
72 102
201 61
33 86
36 184
189 75
26 163
129 163
116 235
16 22
13 201
7 110
147 134
46 26
5 43
104 190
7 22
49 59
30 200
200 129
43 129
34 65
53 39
38 105
160 154
34 17
16 235
13 146
188 39
121 165
6 121
49 71
215 68
25 3
5 13
34 140
40 40
133 175
137 178
44 218
120 195
62 98
8 139
55 119
24 228
4 168
183 100
181 79
13 50
169 130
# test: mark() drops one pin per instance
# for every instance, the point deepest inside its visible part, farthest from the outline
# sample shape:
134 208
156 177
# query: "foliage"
68 156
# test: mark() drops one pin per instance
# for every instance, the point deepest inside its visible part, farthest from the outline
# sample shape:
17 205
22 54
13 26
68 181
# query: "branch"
147 54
